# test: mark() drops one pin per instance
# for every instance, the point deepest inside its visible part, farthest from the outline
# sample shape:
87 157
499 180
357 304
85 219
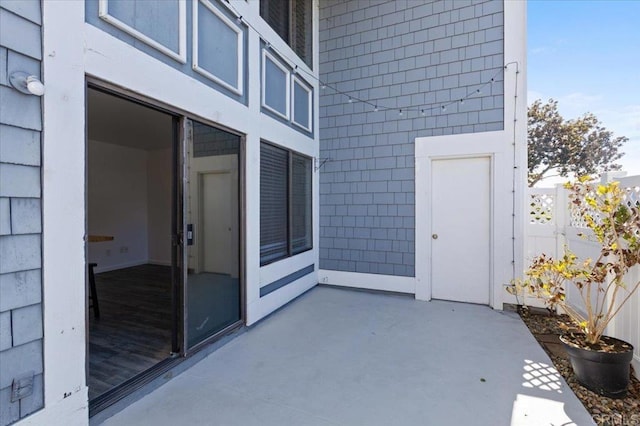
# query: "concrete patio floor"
341 357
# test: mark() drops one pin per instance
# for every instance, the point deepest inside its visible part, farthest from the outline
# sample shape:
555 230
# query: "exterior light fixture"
26 83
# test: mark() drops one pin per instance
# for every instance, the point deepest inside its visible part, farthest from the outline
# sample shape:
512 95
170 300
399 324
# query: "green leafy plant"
600 282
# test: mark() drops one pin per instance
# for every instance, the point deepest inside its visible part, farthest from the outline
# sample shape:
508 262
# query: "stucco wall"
21 331
396 54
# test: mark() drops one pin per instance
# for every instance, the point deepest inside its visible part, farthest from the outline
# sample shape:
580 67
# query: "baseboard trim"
159 262
108 268
368 281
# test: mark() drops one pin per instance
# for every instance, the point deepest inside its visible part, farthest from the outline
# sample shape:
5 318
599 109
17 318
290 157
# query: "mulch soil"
546 328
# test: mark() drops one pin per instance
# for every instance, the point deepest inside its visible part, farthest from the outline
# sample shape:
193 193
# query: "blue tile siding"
397 54
21 328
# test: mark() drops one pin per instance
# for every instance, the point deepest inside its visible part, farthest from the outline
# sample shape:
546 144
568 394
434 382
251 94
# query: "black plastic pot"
606 373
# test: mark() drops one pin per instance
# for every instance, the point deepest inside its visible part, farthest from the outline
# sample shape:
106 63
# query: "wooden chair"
93 294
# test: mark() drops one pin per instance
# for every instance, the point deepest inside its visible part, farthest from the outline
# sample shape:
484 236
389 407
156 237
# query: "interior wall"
117 204
159 206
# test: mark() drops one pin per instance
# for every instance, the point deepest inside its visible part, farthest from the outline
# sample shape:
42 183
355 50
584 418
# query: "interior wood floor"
134 329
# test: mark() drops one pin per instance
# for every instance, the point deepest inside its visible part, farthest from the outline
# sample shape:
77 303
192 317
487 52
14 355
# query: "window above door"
291 20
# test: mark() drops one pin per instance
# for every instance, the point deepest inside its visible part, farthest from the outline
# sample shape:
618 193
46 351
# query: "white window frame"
180 55
266 55
297 80
240 43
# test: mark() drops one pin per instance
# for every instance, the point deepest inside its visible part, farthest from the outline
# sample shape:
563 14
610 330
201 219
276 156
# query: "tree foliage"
579 146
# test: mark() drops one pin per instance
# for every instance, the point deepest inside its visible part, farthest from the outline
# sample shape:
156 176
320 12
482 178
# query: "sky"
586 55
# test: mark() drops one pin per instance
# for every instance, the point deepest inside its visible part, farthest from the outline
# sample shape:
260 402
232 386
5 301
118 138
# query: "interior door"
461 229
216 213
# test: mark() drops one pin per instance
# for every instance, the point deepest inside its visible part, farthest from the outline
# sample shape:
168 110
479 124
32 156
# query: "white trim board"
515 120
368 281
63 224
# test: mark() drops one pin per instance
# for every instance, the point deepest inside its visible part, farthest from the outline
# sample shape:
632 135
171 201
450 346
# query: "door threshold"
117 399
131 385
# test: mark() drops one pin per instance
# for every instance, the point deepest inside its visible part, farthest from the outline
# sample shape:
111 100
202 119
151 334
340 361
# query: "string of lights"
424 110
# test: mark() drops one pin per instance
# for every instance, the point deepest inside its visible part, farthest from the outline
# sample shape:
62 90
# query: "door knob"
434 236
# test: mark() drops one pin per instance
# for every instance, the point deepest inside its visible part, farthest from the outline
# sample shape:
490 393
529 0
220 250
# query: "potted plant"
600 363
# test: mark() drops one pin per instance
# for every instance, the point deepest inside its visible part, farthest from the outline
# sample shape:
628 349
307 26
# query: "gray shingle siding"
21 326
395 54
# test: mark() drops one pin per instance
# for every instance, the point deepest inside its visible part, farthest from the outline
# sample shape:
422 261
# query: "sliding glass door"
211 198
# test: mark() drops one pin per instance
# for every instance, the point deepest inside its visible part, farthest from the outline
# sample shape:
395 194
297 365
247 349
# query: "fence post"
563 218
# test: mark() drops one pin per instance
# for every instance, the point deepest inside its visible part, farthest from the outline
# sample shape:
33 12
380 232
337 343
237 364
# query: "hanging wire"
515 170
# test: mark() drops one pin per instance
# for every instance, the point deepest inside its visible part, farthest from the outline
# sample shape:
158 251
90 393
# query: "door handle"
434 236
190 234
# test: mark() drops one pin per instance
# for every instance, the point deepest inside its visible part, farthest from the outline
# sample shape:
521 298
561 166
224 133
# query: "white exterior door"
461 229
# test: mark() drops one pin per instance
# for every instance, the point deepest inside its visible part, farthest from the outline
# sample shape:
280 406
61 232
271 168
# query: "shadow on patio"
342 357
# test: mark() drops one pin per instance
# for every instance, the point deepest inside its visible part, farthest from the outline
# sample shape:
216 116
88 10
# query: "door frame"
471 145
178 242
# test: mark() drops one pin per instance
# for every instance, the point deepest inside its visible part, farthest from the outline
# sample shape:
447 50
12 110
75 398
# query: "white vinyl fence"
552 225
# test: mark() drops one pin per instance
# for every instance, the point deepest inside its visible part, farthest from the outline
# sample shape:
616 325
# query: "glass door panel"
212 232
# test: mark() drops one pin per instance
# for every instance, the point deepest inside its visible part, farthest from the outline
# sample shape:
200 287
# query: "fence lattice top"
631 198
543 204
541 208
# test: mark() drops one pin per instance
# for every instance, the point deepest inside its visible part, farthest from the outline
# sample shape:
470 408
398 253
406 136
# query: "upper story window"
291 19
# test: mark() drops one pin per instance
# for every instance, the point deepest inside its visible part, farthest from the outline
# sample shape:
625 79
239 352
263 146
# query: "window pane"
273 203
291 20
301 204
301 39
210 141
157 19
217 46
276 13
301 105
275 87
